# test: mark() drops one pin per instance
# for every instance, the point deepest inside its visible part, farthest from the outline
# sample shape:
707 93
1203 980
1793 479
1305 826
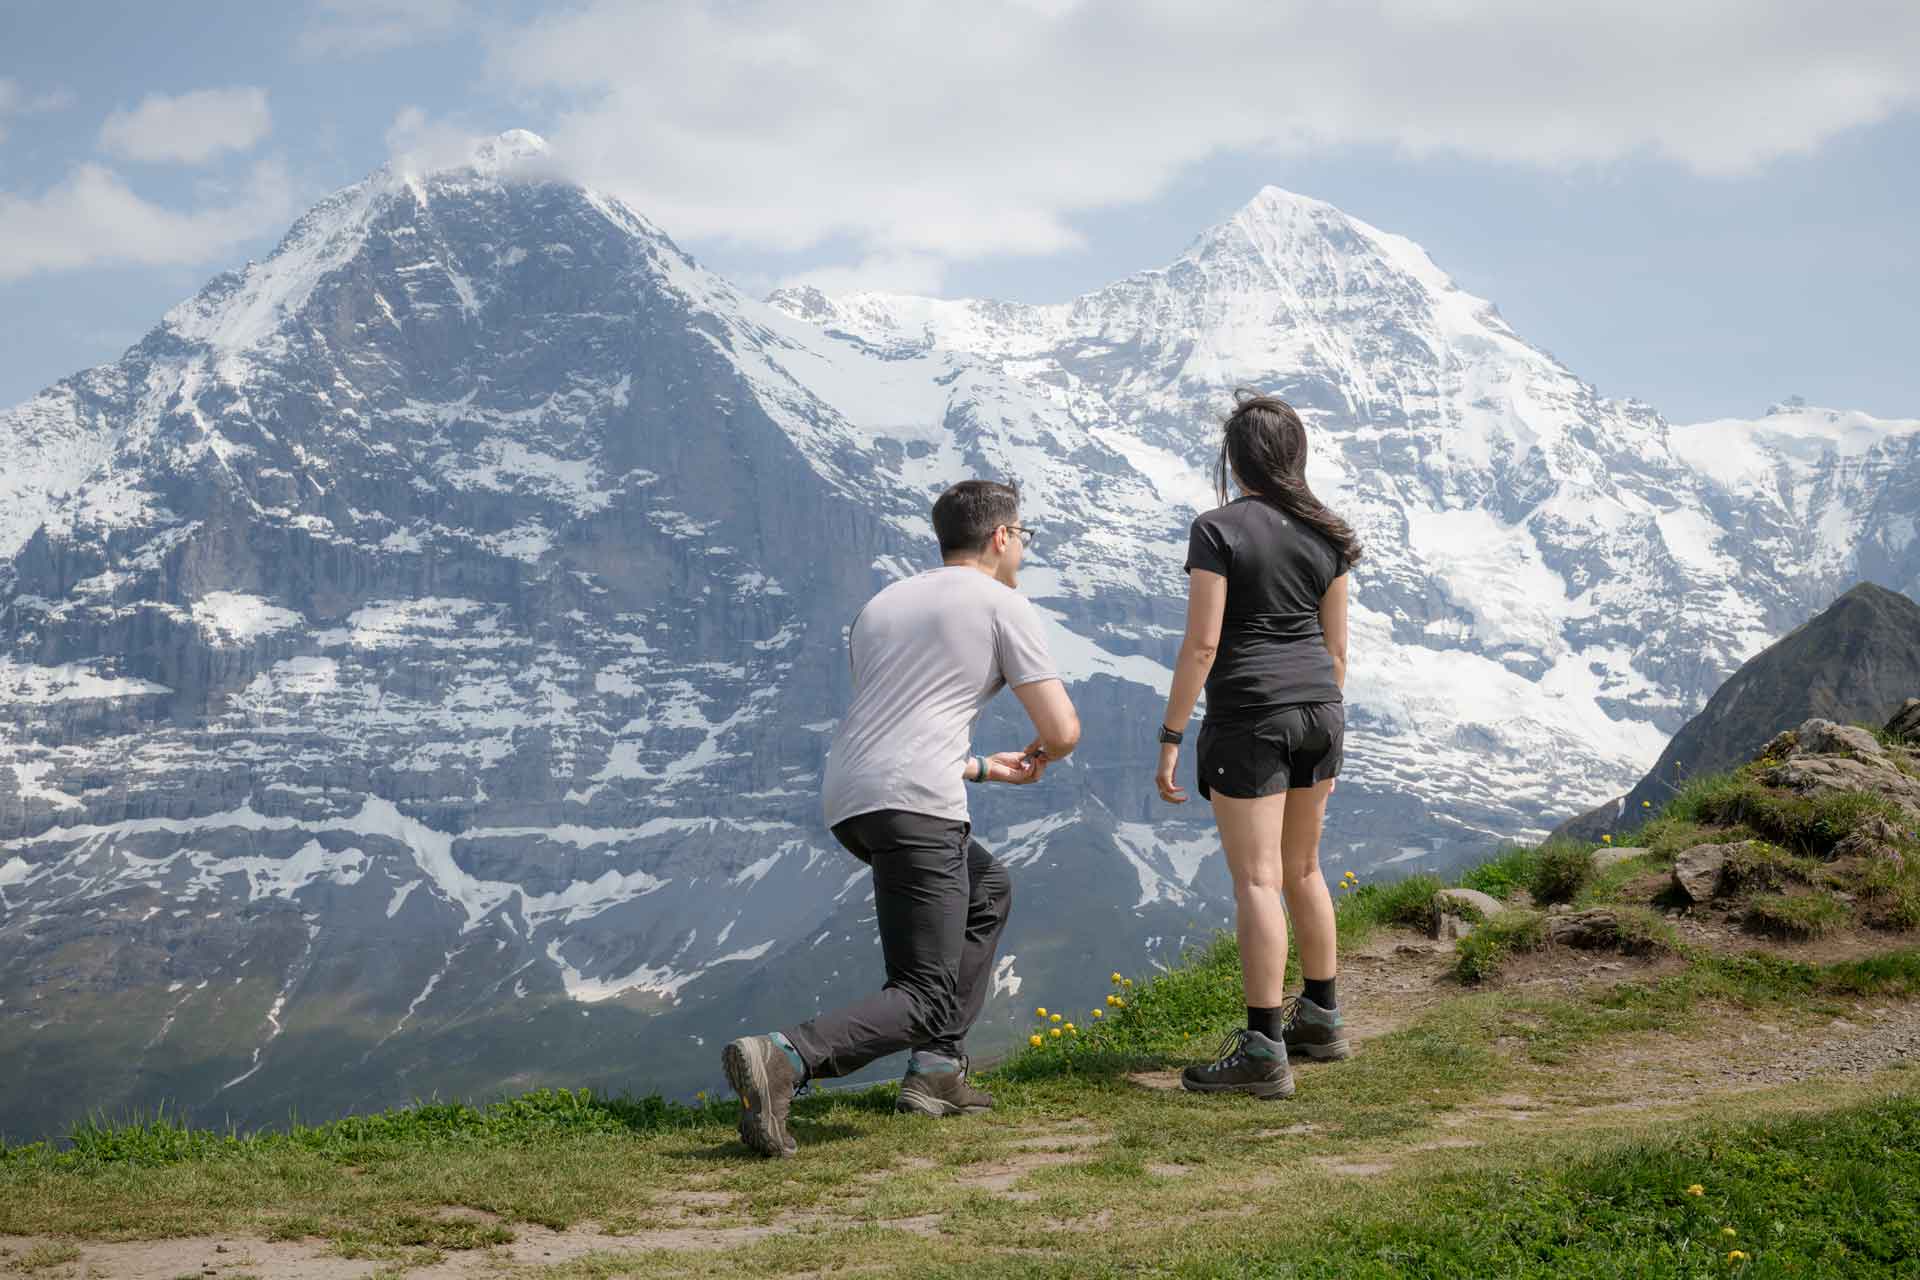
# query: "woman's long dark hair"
1266 451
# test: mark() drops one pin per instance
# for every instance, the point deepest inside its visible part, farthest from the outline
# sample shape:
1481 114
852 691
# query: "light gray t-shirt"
928 652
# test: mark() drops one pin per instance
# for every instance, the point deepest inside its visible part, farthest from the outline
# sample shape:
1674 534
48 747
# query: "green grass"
1810 825
1811 915
1405 903
1833 1195
40 1258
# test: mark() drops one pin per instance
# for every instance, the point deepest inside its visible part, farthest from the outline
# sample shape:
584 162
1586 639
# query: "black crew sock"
1320 991
1265 1021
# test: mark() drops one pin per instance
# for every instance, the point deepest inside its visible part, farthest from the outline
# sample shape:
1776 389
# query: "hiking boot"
1307 1028
1248 1063
762 1074
941 1093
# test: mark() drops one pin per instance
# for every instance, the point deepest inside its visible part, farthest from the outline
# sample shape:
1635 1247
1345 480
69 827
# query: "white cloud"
948 131
921 273
15 101
374 26
93 218
420 143
191 128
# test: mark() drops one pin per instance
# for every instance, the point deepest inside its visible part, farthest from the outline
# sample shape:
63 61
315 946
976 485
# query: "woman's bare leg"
1251 831
1308 903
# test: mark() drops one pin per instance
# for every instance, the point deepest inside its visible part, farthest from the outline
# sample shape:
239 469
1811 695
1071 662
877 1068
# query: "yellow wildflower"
1606 839
1696 1190
1099 1013
1118 1003
1112 1001
1041 1012
1736 1255
1728 1232
1034 1041
1069 1026
1055 1033
1126 982
1116 977
1056 1017
700 1097
1646 804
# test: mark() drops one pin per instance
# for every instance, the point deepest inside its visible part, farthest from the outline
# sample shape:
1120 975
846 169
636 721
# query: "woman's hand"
1169 760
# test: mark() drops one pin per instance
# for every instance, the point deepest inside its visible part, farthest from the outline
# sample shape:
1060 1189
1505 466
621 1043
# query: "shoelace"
1232 1049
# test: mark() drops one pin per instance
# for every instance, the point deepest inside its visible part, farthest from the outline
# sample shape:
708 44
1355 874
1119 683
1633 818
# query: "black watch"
1171 735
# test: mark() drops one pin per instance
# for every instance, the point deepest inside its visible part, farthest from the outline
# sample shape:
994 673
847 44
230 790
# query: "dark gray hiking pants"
942 901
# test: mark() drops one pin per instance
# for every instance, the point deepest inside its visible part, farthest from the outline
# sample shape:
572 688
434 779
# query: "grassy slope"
1360 1174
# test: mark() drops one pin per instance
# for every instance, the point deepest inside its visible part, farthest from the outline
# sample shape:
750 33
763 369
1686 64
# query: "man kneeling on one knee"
927 652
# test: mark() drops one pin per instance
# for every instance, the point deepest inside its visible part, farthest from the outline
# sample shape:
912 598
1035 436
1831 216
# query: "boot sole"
748 1076
1266 1091
912 1104
1336 1051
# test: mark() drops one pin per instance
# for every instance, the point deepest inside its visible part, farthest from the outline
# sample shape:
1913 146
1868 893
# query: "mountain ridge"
465 587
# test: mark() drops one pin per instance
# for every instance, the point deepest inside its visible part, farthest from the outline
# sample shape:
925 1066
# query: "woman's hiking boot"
941 1091
1307 1028
761 1073
1248 1062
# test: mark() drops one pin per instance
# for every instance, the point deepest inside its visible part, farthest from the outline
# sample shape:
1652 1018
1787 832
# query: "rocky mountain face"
1854 664
418 654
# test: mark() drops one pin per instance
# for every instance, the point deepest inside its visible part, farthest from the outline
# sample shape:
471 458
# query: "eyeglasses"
1026 535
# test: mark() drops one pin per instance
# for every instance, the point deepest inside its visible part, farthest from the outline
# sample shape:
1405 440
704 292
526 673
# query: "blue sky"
1710 209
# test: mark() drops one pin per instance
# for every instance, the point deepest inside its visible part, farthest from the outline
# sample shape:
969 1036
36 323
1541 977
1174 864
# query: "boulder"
1875 838
1825 738
1592 930
1604 858
1697 871
1456 911
1905 724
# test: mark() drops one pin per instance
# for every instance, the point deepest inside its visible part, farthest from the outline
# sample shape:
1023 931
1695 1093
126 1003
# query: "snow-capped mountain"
417 655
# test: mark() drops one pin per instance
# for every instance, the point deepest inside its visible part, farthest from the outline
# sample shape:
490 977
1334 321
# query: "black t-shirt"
1273 652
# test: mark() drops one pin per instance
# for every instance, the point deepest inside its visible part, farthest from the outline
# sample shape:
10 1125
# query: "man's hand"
1016 768
1170 790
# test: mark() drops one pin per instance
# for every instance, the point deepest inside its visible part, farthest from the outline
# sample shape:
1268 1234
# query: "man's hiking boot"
762 1074
1248 1063
1316 1032
941 1093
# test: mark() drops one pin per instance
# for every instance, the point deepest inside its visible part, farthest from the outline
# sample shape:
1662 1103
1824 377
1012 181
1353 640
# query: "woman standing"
1267 636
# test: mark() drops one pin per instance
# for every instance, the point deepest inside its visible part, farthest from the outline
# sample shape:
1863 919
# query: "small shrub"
1812 915
1408 903
1561 871
1509 870
1482 952
1757 865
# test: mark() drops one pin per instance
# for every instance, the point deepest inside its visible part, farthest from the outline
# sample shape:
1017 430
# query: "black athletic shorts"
1295 746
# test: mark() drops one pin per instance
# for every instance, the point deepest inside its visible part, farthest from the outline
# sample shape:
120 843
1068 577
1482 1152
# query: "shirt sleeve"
1020 643
1207 549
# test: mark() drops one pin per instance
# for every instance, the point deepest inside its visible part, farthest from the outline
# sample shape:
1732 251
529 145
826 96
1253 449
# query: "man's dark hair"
966 515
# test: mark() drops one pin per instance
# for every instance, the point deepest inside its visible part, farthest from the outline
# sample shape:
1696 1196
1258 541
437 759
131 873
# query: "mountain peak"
508 151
